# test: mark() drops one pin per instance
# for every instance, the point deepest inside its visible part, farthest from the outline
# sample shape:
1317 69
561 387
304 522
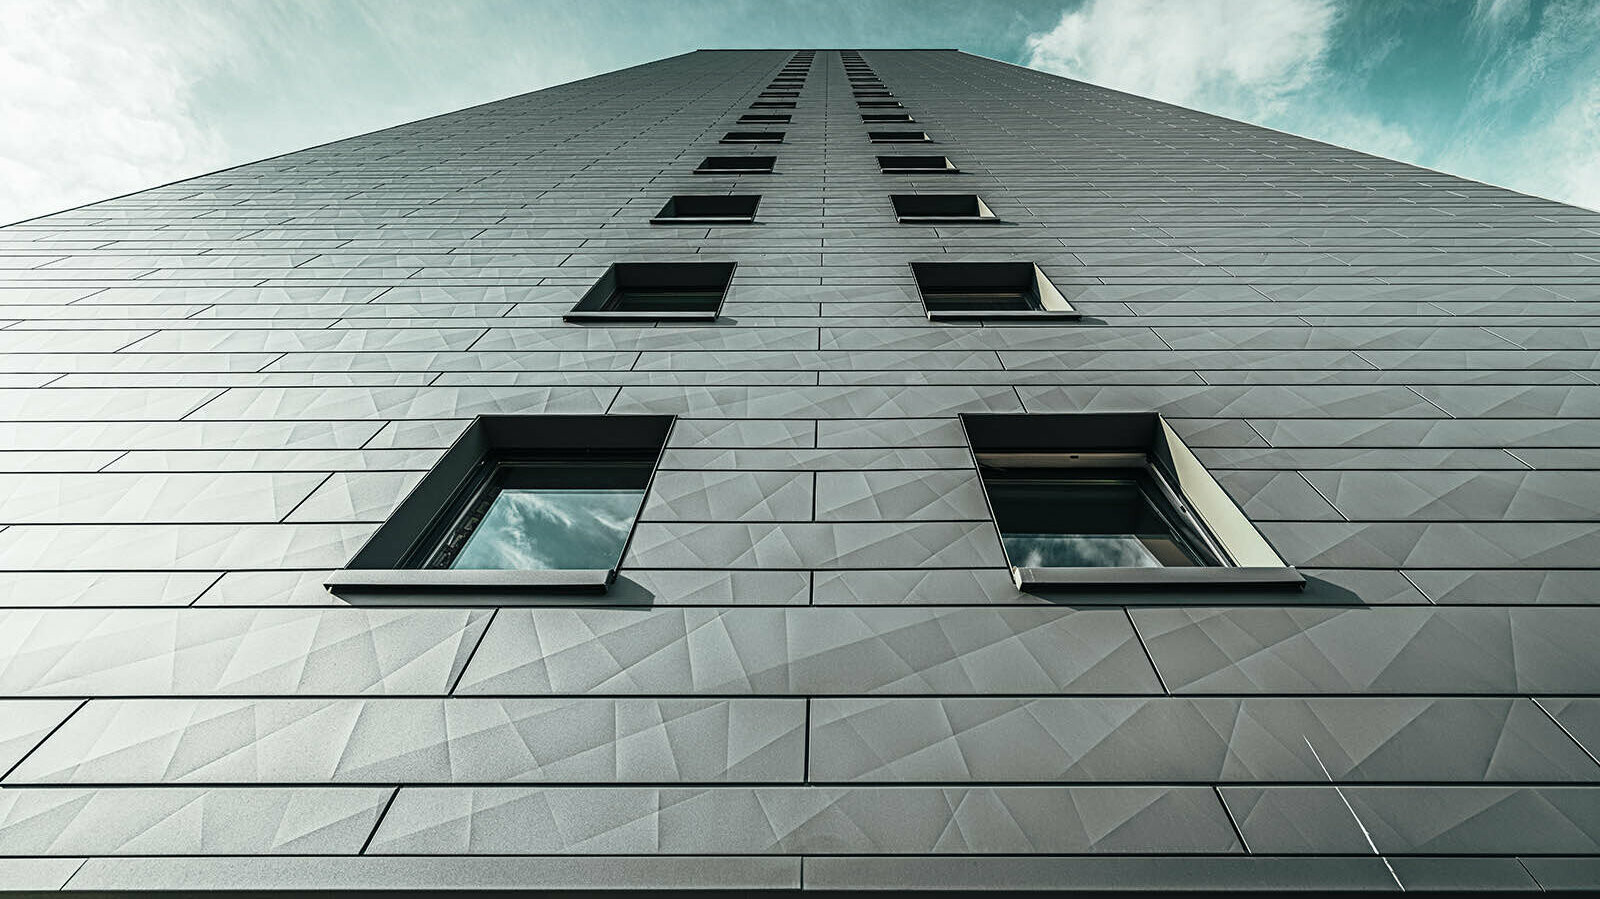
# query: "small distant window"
897 165
770 118
879 104
753 137
977 290
933 209
716 209
656 291
1112 499
867 94
898 137
773 104
736 165
886 118
542 501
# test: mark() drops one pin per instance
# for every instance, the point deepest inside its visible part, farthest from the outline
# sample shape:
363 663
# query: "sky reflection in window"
544 528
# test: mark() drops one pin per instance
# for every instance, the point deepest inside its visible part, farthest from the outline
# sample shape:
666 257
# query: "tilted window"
976 290
1109 499
753 137
907 165
712 209
535 501
736 165
898 137
934 209
656 291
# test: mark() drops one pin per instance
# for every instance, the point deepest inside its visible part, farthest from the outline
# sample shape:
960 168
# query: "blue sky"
102 97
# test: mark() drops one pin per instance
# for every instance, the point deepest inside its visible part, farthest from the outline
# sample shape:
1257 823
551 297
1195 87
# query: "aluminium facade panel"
813 670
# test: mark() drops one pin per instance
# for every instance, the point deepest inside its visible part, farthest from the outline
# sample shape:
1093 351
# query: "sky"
104 97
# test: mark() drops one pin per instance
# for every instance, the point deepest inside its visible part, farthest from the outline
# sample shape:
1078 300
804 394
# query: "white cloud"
1242 58
95 101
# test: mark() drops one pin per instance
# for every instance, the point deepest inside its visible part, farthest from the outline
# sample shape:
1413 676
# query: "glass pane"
986 302
544 528
1085 519
1094 551
635 300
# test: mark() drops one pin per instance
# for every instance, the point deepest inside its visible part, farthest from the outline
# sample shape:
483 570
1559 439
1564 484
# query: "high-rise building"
803 468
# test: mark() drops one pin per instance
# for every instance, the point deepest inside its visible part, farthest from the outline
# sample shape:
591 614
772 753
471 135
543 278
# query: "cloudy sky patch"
104 97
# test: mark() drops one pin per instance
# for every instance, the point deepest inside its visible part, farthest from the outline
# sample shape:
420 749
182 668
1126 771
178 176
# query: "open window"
713 209
519 501
736 165
915 165
756 118
898 137
753 137
656 291
979 290
886 118
879 104
1113 499
942 209
773 104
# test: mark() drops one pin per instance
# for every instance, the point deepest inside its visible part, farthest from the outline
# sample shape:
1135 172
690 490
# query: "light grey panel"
187 820
187 652
808 651
977 820
310 741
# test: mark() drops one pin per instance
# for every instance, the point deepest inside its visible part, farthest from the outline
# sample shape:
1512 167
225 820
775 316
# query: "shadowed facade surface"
813 670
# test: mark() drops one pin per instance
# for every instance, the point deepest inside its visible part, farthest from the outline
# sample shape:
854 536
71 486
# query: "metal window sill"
959 315
1145 578
947 219
704 220
605 316
376 580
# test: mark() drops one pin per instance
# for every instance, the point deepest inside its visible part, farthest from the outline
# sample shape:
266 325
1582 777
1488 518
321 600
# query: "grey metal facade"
814 670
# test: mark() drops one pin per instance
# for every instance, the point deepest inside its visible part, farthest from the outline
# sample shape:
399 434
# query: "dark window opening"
885 118
957 290
757 118
904 164
1112 499
773 104
941 208
736 165
879 104
656 290
1100 511
518 502
708 210
540 511
719 208
752 137
898 137
779 95
861 95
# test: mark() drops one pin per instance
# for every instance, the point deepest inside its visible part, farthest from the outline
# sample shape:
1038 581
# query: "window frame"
1047 302
668 216
753 137
455 480
898 137
772 164
1246 559
591 307
884 161
984 215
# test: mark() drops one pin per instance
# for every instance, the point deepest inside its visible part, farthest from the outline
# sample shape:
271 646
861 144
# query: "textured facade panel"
813 668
